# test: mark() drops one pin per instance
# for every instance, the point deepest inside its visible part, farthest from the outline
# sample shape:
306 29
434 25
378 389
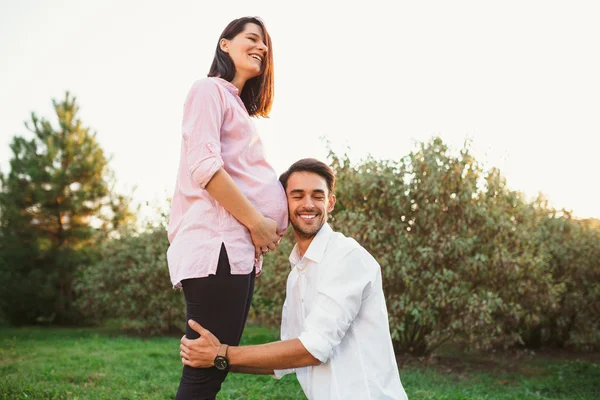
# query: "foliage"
573 256
55 203
418 217
130 281
269 293
460 252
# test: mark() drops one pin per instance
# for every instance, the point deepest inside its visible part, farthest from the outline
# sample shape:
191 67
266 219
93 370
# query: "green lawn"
37 363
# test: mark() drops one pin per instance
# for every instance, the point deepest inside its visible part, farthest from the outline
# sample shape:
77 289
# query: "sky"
520 79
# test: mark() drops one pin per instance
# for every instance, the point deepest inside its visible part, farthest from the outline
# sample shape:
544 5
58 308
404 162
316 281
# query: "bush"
26 292
573 256
269 293
457 248
130 281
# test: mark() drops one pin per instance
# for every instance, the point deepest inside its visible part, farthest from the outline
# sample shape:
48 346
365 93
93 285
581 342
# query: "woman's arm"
263 230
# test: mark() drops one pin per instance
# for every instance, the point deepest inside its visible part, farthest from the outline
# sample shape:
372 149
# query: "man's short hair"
310 165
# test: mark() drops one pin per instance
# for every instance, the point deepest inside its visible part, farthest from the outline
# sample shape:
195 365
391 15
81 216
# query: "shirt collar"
316 248
227 85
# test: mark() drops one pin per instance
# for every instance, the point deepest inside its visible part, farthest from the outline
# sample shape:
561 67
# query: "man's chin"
305 233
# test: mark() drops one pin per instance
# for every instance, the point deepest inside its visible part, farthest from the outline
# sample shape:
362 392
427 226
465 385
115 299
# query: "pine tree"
56 203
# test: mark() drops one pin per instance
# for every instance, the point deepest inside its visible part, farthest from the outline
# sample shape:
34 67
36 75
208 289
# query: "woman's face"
247 50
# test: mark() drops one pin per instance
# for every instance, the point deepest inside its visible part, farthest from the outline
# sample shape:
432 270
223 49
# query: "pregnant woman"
229 208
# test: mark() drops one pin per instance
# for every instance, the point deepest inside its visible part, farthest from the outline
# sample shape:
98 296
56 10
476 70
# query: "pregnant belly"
272 203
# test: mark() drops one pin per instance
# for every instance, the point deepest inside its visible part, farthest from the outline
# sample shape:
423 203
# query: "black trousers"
220 303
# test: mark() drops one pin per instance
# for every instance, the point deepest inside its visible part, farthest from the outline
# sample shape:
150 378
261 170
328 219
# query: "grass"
38 363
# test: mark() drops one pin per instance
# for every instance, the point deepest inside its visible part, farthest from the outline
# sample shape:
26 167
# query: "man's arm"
277 355
253 371
338 301
262 358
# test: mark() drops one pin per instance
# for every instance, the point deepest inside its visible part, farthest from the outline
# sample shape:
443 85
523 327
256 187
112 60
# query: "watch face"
221 363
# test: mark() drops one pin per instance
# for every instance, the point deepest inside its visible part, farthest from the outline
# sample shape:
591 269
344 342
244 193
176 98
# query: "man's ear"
224 45
331 203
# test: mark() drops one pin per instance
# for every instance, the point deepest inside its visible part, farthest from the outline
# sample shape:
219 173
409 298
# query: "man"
334 330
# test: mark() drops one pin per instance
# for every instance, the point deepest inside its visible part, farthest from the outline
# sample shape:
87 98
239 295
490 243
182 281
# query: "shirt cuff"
316 345
203 172
204 161
279 373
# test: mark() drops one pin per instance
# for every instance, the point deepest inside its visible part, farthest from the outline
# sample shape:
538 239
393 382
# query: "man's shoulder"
342 243
342 246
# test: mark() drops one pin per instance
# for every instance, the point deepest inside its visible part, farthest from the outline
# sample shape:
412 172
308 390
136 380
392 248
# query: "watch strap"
223 350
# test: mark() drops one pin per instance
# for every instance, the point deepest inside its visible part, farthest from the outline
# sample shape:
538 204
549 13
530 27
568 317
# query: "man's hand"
201 352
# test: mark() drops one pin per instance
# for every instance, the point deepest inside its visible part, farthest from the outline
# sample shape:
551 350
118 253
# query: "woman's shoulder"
206 89
206 84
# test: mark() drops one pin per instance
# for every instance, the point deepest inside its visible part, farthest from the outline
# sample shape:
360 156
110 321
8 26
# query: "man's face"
309 203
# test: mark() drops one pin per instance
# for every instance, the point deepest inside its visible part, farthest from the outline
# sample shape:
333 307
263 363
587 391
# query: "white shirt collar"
316 248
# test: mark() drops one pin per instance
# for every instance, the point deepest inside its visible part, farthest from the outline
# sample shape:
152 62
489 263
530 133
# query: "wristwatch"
220 361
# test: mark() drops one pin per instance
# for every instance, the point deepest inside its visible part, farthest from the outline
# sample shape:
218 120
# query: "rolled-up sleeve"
202 120
340 293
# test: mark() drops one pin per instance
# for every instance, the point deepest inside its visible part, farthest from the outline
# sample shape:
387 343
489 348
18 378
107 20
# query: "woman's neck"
239 83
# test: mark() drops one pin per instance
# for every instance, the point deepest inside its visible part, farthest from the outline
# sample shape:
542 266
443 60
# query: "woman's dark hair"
257 93
310 165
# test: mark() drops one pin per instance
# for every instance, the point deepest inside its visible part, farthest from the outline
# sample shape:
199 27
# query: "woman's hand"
263 231
265 236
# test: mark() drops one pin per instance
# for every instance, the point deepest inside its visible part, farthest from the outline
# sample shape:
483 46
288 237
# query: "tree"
56 202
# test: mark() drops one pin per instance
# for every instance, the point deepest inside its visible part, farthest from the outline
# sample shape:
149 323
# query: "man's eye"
320 198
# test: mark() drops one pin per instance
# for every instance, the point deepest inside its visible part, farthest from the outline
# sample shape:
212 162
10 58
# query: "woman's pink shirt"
218 133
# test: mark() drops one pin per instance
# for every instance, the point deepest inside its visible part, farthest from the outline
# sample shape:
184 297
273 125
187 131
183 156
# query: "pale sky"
519 78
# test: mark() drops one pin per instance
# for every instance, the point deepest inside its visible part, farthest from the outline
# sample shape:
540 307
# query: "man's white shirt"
335 305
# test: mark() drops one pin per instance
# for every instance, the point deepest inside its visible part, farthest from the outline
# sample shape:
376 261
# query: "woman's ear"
224 45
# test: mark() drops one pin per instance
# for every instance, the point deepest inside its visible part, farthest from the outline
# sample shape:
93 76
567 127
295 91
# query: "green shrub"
573 256
26 292
269 293
454 244
130 281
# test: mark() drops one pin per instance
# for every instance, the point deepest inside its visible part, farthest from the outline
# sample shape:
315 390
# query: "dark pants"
220 303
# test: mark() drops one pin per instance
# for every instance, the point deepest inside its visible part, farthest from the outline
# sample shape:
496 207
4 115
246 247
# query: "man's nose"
308 203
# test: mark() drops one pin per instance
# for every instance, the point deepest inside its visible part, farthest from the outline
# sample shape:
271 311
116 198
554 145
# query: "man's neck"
303 243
